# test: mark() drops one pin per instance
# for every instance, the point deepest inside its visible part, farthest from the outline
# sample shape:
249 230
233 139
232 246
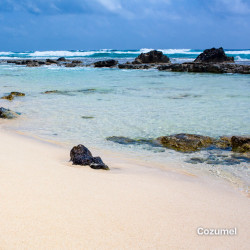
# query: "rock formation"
240 144
153 56
186 142
106 63
7 114
214 56
80 155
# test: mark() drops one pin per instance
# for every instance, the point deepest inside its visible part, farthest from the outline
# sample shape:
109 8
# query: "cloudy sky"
123 24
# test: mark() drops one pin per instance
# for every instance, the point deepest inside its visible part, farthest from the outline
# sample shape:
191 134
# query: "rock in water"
51 92
7 114
240 144
17 93
70 65
186 142
9 97
61 59
153 56
80 155
214 56
77 61
51 61
121 140
135 66
107 63
198 67
224 142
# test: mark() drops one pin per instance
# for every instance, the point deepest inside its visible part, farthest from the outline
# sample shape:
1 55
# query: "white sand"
45 203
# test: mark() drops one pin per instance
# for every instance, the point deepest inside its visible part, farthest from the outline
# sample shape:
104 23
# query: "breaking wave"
175 54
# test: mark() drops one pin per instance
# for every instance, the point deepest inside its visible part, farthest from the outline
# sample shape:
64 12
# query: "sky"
30 25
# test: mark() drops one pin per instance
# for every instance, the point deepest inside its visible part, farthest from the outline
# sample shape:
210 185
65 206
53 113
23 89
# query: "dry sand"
46 203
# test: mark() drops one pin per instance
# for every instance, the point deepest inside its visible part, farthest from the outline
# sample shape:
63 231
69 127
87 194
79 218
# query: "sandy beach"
124 125
46 203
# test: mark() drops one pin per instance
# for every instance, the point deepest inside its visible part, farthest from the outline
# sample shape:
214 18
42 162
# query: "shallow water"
135 104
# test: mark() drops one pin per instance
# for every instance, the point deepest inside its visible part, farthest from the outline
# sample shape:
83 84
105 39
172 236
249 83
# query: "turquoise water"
135 104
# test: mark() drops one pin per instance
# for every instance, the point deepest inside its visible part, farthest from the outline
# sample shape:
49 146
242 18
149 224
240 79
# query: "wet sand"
46 203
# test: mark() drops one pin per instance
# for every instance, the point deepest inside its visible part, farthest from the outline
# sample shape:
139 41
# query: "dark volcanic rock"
186 142
224 142
51 92
61 59
14 93
11 96
107 63
33 64
71 65
121 140
80 155
11 61
214 56
77 61
50 61
97 163
153 56
8 97
206 68
27 62
128 141
134 66
7 114
240 144
191 142
87 117
41 63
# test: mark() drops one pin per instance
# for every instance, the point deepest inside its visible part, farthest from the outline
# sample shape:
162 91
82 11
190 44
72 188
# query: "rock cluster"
209 61
146 60
190 142
7 114
37 63
206 68
106 63
61 59
240 144
8 97
128 141
152 56
11 96
185 142
135 66
214 56
80 155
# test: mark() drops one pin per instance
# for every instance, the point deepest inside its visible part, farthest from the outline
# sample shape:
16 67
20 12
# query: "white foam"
145 50
179 51
172 51
238 58
125 52
2 53
79 53
61 53
238 52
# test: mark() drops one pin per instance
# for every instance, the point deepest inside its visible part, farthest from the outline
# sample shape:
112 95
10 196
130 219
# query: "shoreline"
175 165
48 203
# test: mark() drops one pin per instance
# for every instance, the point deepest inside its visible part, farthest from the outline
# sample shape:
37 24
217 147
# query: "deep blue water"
176 55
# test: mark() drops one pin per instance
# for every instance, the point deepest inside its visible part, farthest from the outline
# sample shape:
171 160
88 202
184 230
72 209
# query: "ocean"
92 104
176 55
